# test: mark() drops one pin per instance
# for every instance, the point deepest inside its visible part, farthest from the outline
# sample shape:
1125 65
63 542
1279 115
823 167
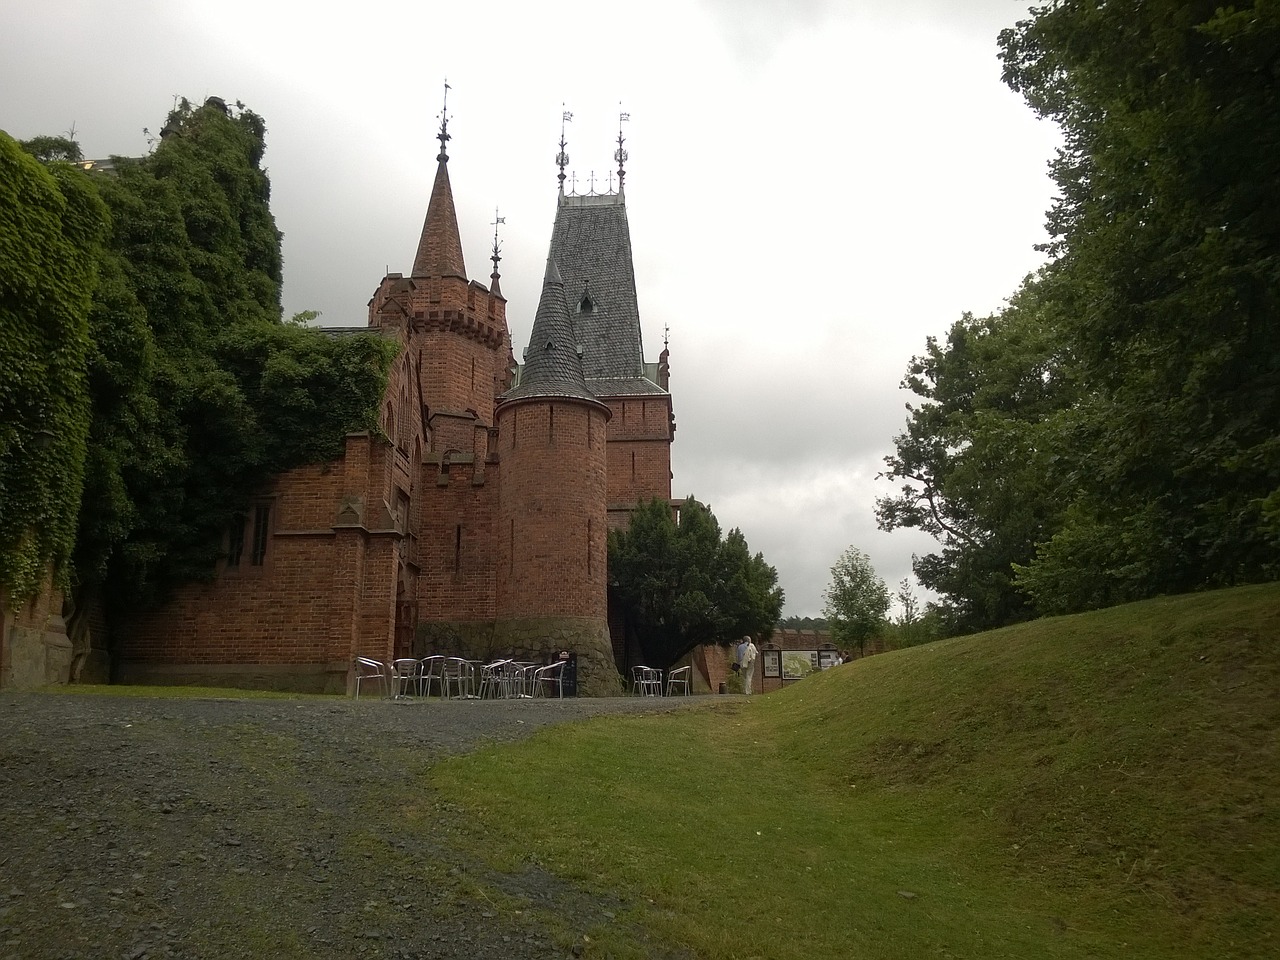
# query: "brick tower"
457 348
551 526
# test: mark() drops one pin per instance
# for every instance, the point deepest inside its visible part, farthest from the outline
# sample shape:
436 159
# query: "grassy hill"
1104 785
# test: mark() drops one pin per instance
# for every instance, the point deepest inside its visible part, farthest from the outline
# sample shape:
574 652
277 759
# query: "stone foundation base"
34 647
533 638
290 678
35 658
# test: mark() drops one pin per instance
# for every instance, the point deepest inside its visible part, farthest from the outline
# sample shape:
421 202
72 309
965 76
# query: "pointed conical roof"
553 363
440 248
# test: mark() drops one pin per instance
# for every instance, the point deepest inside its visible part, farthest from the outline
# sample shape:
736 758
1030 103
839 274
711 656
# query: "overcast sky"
813 188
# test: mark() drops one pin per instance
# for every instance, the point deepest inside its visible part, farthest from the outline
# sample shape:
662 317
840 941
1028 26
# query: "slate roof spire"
440 247
553 362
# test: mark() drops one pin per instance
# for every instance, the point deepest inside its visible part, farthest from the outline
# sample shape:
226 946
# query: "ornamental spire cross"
562 158
443 135
621 154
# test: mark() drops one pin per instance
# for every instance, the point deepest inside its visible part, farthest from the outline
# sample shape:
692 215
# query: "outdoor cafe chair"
551 676
406 675
493 680
370 669
458 679
431 672
523 678
646 681
679 677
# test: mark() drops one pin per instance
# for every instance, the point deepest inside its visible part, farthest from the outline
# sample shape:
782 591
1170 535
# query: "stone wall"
540 639
34 648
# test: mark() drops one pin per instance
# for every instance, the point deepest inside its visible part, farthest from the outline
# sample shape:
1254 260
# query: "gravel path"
205 828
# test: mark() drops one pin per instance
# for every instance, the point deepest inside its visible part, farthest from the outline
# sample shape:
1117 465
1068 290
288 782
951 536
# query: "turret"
552 521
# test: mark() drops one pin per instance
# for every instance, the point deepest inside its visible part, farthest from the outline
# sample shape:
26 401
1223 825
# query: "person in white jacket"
745 661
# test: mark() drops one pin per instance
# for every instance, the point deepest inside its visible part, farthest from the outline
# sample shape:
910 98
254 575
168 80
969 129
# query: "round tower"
551 527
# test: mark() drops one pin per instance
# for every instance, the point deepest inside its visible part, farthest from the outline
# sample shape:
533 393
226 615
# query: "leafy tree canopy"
51 149
684 584
1111 434
1167 273
974 462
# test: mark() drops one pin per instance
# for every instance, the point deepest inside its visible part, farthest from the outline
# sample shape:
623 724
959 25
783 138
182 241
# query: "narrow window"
590 431
235 540
551 424
457 548
473 375
624 411
261 518
633 464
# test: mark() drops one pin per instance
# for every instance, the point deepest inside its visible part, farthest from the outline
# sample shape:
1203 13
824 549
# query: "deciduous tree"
974 463
856 600
1166 243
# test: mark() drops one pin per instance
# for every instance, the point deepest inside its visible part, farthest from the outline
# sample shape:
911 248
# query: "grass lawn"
1105 785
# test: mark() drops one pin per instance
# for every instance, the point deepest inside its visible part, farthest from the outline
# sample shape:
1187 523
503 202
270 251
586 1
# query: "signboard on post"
798 664
773 663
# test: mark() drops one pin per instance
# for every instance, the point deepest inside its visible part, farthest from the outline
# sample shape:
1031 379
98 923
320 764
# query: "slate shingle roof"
591 246
552 364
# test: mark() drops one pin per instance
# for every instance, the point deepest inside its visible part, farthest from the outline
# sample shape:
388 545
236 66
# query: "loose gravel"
221 828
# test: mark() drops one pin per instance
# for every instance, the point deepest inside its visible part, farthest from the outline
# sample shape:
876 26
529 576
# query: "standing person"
746 663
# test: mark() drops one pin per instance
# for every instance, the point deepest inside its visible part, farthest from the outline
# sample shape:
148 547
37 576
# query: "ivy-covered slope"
51 224
199 392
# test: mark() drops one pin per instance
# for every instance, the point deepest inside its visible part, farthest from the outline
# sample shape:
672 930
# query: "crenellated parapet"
441 304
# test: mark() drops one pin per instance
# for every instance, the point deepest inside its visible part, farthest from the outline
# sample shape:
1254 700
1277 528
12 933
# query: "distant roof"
624 387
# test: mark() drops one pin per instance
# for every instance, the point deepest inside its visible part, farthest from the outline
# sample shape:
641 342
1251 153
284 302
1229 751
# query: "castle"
475 522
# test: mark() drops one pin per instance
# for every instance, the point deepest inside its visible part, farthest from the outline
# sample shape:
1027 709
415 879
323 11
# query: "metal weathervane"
562 158
497 247
443 135
621 154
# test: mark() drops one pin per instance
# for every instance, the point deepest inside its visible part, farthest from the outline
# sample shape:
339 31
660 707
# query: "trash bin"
570 676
